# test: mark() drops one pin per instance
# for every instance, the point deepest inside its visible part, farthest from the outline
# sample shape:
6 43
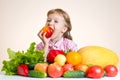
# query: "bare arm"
45 41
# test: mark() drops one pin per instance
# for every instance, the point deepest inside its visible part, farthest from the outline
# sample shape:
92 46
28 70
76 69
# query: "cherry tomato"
111 70
95 71
22 70
48 30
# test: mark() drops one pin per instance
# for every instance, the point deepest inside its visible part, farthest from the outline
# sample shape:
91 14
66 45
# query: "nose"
50 23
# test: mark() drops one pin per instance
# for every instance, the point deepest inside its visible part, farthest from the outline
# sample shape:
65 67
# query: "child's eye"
48 20
56 21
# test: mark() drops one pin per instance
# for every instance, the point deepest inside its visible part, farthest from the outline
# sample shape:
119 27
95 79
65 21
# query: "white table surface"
6 77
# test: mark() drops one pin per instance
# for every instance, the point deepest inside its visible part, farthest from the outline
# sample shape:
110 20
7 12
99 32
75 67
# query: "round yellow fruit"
97 55
73 58
60 59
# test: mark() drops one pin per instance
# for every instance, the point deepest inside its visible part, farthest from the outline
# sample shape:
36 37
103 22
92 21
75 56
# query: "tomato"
111 70
81 67
22 70
67 67
48 30
55 70
95 71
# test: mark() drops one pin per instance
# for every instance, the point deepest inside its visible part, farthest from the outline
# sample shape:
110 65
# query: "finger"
40 35
44 35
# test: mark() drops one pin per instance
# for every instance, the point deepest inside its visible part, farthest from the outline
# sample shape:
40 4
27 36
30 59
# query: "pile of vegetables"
31 56
31 63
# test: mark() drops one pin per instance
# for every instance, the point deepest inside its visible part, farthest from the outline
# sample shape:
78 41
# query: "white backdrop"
95 22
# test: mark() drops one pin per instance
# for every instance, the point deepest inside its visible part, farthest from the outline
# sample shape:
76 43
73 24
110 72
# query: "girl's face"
57 22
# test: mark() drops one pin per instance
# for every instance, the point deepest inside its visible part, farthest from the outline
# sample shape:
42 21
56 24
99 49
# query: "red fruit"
22 70
52 54
54 70
95 72
67 67
48 30
111 70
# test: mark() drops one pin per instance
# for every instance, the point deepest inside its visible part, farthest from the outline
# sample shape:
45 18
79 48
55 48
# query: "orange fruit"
97 55
73 58
41 67
81 67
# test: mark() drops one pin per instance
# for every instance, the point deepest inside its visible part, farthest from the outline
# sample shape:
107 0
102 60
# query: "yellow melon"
97 55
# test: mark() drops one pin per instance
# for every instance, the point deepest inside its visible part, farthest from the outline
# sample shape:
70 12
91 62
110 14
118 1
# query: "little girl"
61 39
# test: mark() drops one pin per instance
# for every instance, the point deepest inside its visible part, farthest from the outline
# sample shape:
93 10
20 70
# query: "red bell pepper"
48 30
52 54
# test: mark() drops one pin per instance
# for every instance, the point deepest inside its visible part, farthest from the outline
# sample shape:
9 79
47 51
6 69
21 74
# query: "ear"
64 29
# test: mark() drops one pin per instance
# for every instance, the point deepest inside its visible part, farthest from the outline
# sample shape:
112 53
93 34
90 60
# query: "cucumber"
74 74
37 74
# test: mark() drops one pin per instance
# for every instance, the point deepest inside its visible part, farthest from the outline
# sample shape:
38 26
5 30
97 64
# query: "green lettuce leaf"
31 56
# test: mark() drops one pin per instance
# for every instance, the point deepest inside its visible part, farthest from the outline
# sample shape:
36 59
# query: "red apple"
55 70
67 67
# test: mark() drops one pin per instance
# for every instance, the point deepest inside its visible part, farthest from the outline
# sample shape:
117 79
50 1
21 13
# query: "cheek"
56 33
57 29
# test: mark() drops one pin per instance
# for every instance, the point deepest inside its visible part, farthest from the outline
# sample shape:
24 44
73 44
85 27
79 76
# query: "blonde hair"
67 20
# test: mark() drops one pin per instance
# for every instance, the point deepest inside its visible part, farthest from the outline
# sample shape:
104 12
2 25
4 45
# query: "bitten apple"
48 30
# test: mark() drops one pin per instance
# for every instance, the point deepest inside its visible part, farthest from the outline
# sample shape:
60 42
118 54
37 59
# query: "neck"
56 39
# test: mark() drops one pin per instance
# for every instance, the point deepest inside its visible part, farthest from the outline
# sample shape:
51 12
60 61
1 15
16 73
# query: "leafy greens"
31 56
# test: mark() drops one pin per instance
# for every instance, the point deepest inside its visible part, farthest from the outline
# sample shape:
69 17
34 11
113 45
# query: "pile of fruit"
90 62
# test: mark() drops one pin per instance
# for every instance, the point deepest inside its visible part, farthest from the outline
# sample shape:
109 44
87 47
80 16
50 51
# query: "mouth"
53 27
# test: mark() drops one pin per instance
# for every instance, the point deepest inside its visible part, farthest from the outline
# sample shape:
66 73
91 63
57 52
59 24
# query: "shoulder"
68 40
70 44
